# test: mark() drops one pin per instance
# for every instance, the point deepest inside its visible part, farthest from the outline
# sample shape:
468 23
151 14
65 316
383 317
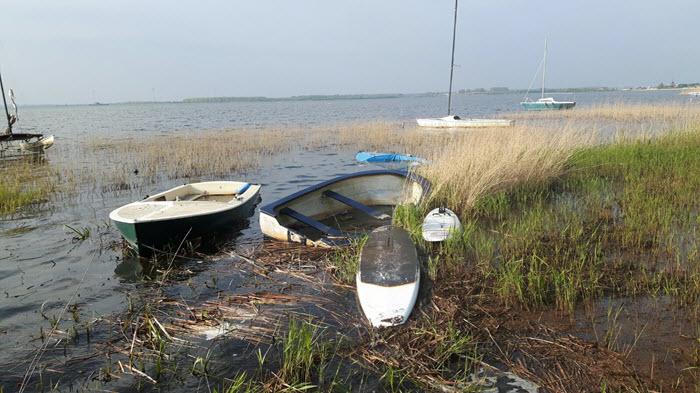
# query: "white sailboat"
453 121
544 102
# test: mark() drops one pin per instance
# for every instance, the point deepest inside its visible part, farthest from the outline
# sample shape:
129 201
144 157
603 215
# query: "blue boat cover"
385 157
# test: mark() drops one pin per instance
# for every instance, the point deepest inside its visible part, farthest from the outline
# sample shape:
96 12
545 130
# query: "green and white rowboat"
187 211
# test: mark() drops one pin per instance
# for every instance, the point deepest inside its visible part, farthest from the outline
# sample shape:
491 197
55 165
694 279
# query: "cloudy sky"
70 51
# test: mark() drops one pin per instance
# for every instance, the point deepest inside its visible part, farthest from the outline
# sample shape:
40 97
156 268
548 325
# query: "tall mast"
544 70
4 101
452 63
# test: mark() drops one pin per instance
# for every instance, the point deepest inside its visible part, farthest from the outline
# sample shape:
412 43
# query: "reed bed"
622 112
23 182
481 163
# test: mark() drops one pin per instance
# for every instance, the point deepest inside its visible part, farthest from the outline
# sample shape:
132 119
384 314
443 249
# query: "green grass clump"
303 354
345 260
623 219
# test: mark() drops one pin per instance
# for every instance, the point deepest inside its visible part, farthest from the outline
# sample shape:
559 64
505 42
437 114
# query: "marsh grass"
23 182
613 218
622 112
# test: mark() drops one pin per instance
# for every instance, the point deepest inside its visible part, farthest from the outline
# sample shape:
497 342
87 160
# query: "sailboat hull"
451 122
548 105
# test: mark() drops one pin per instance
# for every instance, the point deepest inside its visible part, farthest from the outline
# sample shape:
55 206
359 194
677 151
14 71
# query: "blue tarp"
385 157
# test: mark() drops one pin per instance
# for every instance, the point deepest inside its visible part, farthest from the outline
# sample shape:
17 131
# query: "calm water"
41 265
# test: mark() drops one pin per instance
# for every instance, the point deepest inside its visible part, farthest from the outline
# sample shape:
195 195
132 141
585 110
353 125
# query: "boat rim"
269 209
114 214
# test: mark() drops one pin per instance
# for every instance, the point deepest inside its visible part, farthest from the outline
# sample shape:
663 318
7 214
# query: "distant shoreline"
338 97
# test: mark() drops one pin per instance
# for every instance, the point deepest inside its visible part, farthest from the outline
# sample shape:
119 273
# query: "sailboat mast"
544 70
4 101
452 63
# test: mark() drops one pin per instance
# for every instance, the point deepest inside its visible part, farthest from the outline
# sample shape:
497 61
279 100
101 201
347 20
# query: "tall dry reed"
622 112
477 163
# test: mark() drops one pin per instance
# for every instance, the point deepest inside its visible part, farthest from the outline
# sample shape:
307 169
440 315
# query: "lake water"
41 265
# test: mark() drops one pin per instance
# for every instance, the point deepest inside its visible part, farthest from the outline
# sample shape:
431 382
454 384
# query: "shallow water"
42 264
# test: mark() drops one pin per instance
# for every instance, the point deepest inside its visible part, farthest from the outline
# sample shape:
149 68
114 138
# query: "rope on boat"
533 79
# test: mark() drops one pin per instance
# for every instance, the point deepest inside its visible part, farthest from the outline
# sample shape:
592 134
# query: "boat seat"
310 222
357 205
188 197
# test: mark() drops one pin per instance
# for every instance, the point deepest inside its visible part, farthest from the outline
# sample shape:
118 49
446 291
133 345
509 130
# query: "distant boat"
14 144
545 102
452 121
187 211
359 202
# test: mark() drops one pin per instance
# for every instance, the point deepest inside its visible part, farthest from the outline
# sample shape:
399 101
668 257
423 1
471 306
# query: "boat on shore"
331 212
452 121
388 276
544 102
187 211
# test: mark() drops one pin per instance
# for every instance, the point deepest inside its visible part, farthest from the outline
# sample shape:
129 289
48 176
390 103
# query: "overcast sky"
70 51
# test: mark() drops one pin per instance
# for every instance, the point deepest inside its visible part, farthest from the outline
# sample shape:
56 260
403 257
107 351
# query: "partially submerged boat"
331 212
15 144
39 144
388 276
453 121
187 211
21 143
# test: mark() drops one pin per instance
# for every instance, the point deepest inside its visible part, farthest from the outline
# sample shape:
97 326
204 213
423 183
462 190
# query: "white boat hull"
388 276
439 225
372 188
38 145
456 122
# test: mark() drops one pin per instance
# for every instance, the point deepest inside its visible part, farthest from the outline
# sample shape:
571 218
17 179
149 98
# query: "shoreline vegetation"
335 97
578 268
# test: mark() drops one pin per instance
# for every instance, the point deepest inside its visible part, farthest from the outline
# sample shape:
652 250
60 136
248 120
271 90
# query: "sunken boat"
331 212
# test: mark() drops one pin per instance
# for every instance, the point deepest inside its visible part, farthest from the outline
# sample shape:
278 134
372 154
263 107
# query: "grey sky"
70 51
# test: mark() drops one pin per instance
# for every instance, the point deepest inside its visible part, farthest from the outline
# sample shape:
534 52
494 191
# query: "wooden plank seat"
310 222
357 205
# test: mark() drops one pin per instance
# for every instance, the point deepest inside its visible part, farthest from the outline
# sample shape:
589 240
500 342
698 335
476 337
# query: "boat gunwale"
225 206
426 186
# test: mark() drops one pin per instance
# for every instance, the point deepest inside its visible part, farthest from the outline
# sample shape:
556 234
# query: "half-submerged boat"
452 121
544 102
329 213
187 211
12 143
388 276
